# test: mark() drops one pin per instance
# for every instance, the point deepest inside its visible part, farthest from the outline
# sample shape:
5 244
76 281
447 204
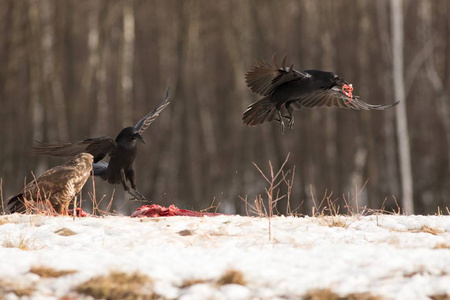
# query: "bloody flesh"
347 90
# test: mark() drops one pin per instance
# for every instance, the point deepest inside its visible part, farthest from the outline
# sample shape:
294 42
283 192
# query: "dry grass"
39 205
191 282
274 179
430 230
424 229
97 203
22 243
231 276
2 200
442 246
18 288
334 221
423 270
118 285
328 294
46 272
440 297
65 232
5 220
186 232
328 212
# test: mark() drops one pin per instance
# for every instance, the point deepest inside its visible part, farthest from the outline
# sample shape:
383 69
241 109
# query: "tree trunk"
127 62
399 91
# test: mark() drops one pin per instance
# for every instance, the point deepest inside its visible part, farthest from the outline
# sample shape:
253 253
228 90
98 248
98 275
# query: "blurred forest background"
74 69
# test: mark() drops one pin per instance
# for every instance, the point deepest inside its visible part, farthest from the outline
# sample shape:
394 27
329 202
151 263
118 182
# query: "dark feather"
264 78
333 98
286 89
151 116
98 147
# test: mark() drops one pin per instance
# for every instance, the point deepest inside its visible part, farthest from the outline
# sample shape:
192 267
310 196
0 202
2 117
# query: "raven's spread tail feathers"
99 169
259 112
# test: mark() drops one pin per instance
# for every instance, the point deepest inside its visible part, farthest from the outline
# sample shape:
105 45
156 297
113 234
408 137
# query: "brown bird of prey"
56 186
122 151
286 89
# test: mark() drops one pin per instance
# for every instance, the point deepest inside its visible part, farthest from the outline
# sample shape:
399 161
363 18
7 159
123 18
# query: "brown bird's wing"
98 147
151 116
335 98
50 182
264 78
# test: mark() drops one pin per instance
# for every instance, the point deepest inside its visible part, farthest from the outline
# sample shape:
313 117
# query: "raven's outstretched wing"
264 78
151 116
98 147
335 98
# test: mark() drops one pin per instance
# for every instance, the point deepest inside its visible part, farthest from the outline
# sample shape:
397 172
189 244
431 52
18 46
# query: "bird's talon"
283 126
139 200
291 123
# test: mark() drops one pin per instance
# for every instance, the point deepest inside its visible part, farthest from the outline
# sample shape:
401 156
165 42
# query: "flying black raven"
56 187
285 89
122 151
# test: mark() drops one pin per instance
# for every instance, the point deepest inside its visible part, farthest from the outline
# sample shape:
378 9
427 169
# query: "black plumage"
286 89
122 151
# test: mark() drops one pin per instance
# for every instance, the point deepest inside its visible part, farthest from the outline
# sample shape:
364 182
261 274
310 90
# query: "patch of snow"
383 255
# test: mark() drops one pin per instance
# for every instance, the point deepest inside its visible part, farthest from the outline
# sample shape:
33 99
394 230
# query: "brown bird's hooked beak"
139 138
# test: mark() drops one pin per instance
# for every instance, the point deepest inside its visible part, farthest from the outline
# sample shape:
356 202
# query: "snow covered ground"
394 257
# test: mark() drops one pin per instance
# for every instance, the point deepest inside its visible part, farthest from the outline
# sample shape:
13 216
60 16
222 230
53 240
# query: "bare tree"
402 122
127 62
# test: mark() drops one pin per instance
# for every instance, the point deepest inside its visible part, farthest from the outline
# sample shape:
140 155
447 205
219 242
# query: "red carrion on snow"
156 210
79 212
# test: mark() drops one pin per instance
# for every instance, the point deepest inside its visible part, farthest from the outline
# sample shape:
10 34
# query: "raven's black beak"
139 137
341 82
338 84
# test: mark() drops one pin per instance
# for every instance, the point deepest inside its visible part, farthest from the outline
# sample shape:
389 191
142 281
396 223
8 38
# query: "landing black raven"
285 89
56 187
122 151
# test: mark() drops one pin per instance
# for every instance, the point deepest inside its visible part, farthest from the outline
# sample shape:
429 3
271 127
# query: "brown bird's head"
82 160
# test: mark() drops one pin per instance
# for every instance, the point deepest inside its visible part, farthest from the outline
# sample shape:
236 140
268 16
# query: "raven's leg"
137 196
290 117
280 119
123 180
133 191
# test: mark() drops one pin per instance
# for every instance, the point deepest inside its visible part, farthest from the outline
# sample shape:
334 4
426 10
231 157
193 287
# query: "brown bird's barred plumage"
286 89
56 187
